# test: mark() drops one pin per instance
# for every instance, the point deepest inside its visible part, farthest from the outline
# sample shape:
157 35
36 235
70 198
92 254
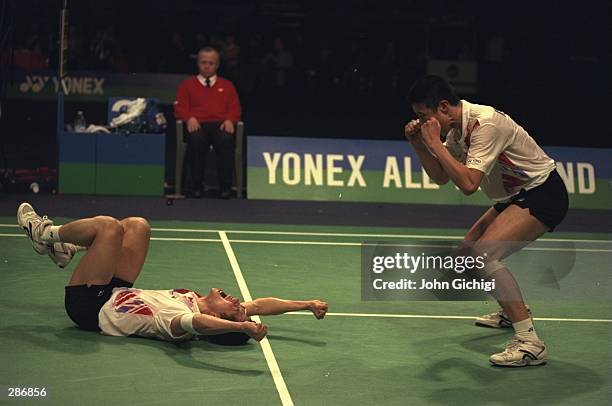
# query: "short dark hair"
431 90
232 338
209 49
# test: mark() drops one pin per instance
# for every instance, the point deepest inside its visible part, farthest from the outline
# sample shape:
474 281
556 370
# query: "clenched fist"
412 131
256 331
318 308
430 133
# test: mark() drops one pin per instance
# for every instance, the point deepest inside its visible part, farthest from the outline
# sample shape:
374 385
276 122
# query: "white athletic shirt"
146 313
493 143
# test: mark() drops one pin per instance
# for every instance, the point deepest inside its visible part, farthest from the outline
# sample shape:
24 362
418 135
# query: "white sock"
51 234
74 247
525 331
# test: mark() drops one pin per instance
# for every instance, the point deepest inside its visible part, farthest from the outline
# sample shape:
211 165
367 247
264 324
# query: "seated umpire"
210 107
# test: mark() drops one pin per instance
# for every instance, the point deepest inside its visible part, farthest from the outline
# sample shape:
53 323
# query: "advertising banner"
94 86
390 171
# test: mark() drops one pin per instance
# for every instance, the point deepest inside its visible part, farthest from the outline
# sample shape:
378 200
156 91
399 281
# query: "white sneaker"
33 225
519 353
61 253
499 319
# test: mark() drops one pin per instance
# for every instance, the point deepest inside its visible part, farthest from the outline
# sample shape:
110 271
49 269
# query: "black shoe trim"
529 354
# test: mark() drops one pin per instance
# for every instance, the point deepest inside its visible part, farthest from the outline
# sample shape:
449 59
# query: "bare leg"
134 248
481 225
475 232
514 224
104 236
116 248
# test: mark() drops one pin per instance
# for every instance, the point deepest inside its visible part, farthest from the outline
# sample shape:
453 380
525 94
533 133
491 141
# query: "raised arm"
430 163
466 179
206 325
266 306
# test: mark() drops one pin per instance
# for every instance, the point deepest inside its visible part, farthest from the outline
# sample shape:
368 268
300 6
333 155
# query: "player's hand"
430 132
412 131
318 308
256 331
193 125
227 126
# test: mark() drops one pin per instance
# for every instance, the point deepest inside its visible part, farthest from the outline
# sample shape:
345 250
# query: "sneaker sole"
40 249
498 326
19 210
60 258
521 363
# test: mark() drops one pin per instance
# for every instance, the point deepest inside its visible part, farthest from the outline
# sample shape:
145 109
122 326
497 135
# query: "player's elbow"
438 176
175 327
469 189
256 308
441 180
253 308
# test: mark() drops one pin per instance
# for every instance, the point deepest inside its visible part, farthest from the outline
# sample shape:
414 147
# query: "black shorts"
83 303
548 202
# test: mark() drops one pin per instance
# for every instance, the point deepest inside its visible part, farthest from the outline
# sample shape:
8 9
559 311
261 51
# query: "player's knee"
110 226
137 224
487 254
493 250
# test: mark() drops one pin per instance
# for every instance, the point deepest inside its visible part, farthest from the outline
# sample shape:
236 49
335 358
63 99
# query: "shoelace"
513 344
44 220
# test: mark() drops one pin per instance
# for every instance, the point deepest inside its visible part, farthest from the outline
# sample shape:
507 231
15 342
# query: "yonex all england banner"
389 171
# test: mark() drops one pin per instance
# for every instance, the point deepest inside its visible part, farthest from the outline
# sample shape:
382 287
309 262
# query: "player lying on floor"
100 295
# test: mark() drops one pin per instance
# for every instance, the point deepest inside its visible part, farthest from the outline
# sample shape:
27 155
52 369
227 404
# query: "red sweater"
207 104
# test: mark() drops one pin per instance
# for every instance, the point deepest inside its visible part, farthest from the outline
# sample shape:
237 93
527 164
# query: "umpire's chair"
181 147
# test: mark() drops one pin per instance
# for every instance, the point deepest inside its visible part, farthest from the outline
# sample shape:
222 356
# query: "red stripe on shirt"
503 158
469 133
122 297
144 309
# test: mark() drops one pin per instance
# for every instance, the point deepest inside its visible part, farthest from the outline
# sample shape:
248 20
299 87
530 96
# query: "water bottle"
79 123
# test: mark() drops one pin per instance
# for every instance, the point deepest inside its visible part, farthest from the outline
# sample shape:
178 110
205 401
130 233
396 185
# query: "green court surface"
395 353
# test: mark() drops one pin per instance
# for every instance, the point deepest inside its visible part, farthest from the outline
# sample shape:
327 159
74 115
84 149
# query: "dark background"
347 64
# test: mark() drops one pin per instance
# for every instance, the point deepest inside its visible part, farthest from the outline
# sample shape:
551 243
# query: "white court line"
315 234
152 238
305 233
347 244
425 316
281 387
225 241
358 244
186 239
